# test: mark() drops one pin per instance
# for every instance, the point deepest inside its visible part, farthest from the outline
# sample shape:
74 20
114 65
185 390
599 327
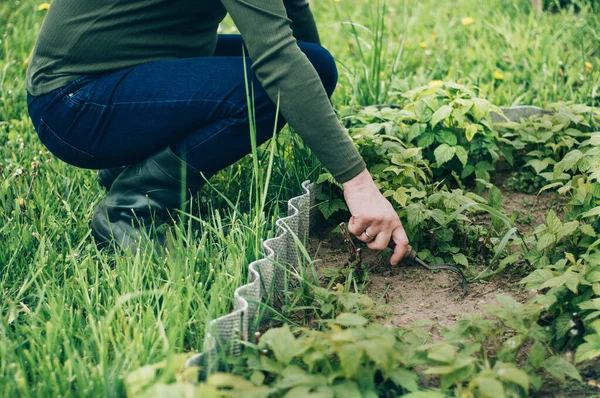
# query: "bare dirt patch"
530 209
411 293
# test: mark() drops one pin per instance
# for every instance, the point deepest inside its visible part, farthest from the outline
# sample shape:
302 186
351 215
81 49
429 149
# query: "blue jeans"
197 106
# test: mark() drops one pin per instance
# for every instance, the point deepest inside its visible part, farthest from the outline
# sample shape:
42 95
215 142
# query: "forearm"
292 82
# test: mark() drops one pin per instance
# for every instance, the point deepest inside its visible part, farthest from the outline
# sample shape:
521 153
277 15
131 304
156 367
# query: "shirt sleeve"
287 75
303 21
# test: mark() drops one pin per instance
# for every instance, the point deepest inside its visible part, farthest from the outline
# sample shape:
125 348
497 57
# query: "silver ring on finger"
368 235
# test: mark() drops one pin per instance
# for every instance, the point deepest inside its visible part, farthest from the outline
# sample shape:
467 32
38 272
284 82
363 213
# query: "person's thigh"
126 116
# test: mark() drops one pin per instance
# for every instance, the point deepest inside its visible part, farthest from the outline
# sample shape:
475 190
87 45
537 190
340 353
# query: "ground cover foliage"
78 321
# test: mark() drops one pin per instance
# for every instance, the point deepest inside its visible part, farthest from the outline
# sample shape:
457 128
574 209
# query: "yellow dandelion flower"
498 75
44 6
423 44
436 83
337 1
467 21
588 67
382 74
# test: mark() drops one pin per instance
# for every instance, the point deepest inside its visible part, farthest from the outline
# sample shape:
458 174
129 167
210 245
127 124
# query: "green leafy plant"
551 143
571 300
351 357
453 127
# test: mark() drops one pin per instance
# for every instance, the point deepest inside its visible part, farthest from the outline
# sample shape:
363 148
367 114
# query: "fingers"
381 240
378 239
402 248
357 227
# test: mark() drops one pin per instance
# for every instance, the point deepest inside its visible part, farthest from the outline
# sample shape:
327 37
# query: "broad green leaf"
559 368
591 213
400 196
593 304
587 229
513 375
461 259
439 115
480 109
283 343
489 387
416 214
457 377
379 353
439 216
350 359
465 106
537 353
414 131
257 378
346 389
462 155
566 229
448 369
552 221
538 165
508 303
569 279
330 207
593 276
348 319
405 379
588 350
568 161
425 140
550 186
443 352
230 382
467 171
305 391
325 177
294 376
392 169
562 324
470 131
447 137
443 153
483 165
545 240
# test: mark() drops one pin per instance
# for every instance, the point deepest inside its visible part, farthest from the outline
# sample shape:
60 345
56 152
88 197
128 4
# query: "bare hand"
374 220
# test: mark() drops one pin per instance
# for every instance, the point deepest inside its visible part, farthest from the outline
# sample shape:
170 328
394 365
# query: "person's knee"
324 64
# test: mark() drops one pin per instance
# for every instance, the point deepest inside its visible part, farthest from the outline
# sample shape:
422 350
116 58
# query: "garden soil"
411 293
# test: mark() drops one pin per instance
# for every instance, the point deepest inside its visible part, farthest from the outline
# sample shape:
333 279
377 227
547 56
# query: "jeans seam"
226 126
65 143
230 103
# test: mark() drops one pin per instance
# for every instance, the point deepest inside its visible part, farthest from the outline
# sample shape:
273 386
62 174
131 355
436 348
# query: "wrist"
360 181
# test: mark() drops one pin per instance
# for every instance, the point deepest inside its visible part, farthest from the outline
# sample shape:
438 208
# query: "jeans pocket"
63 150
79 92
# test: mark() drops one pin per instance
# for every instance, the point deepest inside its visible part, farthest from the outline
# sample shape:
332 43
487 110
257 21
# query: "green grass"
74 321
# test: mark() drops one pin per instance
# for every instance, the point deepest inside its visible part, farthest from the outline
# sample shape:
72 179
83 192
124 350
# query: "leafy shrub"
542 141
571 301
350 357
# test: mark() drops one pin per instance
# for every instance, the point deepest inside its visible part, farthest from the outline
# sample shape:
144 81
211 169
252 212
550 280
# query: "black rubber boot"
141 196
106 177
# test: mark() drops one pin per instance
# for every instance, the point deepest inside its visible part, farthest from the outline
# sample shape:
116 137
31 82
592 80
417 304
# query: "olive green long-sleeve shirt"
87 37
